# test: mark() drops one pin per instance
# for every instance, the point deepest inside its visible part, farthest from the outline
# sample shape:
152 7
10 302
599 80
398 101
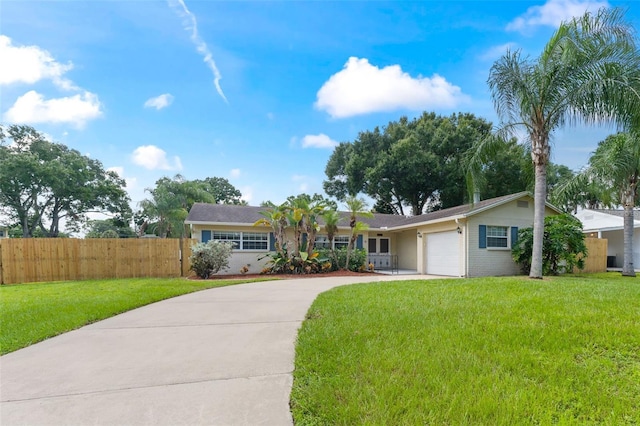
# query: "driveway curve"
222 356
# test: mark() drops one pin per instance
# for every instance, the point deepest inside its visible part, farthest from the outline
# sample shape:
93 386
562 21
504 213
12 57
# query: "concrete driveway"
222 356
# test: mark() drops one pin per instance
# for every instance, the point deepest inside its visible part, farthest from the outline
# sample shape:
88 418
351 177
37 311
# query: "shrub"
356 262
209 258
305 263
110 233
563 246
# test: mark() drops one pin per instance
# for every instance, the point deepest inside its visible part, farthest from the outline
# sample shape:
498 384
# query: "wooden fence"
59 259
596 260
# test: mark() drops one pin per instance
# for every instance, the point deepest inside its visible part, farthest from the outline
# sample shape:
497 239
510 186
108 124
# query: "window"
1 233
339 241
322 242
379 245
241 240
497 236
255 241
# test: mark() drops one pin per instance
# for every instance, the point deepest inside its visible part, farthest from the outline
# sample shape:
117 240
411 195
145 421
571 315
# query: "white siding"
496 262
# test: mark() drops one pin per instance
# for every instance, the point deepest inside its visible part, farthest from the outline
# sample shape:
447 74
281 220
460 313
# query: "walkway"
222 356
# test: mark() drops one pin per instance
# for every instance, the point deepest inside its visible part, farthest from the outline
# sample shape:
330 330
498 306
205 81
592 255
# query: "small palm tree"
616 164
331 220
275 217
356 207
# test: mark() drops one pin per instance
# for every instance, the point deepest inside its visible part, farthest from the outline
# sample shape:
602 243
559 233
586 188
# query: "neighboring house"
465 241
609 224
4 232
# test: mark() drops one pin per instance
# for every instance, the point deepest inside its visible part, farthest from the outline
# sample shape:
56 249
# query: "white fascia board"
428 222
195 222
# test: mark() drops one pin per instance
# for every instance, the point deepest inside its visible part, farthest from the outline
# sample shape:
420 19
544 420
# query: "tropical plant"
209 258
357 259
356 207
584 74
563 245
614 168
331 220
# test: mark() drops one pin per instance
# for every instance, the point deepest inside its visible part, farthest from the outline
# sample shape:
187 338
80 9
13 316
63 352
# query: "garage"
443 253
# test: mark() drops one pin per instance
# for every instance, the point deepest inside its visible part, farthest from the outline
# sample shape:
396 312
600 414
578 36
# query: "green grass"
491 351
30 313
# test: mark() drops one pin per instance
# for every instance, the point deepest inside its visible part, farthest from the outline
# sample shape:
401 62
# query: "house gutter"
429 222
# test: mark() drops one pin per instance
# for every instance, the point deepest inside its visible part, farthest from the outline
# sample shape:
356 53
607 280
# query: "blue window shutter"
206 236
272 242
482 236
359 243
514 235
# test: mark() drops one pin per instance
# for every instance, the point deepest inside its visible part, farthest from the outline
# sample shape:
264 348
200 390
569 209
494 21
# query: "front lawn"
30 313
474 351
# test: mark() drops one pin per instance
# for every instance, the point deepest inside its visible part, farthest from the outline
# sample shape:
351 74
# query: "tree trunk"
539 207
627 267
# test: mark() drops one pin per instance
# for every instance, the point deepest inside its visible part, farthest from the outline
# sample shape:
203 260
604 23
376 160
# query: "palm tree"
275 217
331 220
579 77
356 207
165 211
616 163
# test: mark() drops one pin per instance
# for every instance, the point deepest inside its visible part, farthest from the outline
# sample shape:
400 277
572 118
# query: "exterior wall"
406 243
616 246
239 258
495 261
254 259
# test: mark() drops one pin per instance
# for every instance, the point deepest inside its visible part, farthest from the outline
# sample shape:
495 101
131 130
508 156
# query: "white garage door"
443 253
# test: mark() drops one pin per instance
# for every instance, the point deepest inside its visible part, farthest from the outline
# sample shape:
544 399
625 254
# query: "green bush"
356 262
209 258
563 246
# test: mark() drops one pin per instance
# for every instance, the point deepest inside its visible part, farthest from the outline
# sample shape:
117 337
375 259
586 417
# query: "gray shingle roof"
636 213
247 215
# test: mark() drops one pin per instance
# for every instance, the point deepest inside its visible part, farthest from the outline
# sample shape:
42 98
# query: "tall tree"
222 191
172 198
580 76
409 163
43 183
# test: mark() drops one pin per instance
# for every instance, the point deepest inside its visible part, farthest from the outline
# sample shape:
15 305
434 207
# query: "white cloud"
318 141
495 52
235 173
362 88
30 64
191 25
153 158
159 102
33 108
247 193
554 12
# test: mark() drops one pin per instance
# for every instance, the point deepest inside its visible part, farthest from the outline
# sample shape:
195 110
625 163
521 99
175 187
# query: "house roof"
636 213
603 220
222 214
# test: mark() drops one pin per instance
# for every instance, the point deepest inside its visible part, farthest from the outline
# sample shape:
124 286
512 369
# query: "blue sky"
258 92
